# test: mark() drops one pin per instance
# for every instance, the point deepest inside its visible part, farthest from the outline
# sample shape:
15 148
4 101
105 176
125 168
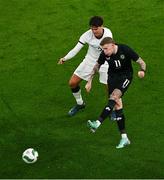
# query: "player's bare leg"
120 118
76 91
74 81
115 101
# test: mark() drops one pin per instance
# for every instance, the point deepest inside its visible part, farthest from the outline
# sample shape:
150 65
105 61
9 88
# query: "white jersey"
94 48
85 68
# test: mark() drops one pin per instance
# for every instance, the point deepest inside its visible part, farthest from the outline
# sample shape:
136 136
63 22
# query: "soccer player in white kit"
93 38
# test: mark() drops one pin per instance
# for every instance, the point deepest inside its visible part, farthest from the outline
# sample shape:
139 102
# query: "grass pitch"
35 97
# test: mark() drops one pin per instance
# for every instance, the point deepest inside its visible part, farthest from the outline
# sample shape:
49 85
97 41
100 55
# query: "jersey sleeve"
74 51
83 38
101 59
131 53
109 33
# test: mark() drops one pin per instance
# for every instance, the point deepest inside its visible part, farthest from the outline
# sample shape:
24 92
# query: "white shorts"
84 72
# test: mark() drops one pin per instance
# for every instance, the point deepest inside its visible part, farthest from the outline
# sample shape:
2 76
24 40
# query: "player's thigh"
125 83
75 79
112 85
119 82
84 71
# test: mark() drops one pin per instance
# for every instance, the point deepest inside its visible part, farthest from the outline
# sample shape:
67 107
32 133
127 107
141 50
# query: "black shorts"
120 82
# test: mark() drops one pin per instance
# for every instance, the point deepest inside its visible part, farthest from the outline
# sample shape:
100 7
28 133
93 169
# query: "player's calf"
93 125
120 119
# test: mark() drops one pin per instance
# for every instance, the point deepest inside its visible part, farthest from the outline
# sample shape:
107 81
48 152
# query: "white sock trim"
98 123
124 135
78 97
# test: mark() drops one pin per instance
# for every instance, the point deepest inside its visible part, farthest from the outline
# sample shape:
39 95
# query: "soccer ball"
30 156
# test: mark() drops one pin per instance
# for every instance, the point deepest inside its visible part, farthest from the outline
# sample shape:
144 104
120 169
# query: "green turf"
35 97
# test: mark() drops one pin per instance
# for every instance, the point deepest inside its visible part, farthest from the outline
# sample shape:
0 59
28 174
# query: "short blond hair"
107 40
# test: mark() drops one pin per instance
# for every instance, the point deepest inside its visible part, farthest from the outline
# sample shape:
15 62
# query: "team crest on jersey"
122 56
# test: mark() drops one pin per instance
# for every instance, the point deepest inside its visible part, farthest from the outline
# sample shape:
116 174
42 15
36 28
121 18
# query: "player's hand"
141 74
88 86
61 61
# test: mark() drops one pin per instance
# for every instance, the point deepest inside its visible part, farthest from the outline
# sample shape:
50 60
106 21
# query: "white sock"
124 135
78 97
98 123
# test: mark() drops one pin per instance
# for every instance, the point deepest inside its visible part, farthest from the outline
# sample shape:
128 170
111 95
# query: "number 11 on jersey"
117 63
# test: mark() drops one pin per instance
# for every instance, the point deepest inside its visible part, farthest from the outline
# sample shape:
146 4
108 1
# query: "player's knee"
72 84
114 97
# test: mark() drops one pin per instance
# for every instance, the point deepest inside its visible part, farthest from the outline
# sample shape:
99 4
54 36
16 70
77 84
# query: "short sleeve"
101 59
83 38
131 53
108 33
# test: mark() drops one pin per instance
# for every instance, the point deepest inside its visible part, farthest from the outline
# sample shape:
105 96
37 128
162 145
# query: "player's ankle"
124 135
98 123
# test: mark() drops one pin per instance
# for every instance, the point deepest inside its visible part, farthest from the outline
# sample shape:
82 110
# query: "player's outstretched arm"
141 72
71 54
88 86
